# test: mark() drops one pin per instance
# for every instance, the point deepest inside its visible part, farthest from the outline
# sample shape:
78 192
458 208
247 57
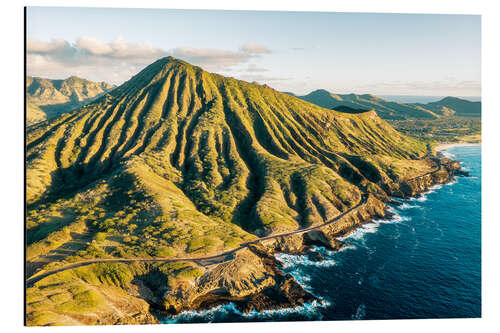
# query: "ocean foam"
360 312
371 227
308 309
406 206
204 314
420 198
289 260
447 154
436 187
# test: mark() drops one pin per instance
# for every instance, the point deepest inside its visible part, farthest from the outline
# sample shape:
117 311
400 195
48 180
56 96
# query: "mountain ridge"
48 98
390 110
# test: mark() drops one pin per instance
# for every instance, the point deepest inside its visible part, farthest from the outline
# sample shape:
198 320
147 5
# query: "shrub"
100 236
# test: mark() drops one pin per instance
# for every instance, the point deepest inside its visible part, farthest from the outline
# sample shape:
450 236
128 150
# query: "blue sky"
385 54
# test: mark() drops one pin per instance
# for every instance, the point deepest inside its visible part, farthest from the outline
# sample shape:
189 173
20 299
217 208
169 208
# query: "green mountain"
448 106
453 106
48 98
384 108
179 162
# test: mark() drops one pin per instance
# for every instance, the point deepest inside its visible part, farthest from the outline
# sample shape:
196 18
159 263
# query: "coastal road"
204 261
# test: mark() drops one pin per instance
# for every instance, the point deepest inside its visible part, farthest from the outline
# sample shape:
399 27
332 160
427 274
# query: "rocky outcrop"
252 281
103 305
444 171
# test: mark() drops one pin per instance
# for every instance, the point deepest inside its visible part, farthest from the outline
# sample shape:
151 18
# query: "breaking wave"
230 312
371 227
360 312
290 260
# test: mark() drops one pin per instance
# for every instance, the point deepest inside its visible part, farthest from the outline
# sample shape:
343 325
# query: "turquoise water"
423 263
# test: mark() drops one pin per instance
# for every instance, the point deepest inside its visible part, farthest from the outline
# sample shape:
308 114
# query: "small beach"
443 146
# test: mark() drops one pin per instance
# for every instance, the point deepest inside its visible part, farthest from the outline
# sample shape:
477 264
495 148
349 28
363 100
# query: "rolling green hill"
48 98
453 106
179 162
384 108
448 106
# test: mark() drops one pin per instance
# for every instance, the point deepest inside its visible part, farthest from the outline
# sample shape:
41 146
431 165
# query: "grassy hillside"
384 108
448 120
47 98
452 106
448 106
179 162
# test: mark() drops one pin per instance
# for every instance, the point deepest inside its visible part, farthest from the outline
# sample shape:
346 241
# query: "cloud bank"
118 60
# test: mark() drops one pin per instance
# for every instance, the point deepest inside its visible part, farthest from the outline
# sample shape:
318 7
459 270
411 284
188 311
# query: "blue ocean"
424 262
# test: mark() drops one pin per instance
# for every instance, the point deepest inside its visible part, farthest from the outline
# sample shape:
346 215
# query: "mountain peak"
322 93
158 70
451 99
169 60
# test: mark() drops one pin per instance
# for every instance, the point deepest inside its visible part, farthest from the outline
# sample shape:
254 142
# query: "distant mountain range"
448 106
46 98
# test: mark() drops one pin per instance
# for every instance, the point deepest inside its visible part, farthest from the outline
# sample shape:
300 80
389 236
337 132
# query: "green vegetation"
449 120
446 107
385 109
91 291
444 129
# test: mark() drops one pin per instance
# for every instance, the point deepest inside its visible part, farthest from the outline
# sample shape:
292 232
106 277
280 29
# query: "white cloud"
253 48
93 45
38 46
118 60
211 59
90 57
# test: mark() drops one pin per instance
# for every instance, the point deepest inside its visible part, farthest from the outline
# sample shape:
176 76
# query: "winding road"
203 261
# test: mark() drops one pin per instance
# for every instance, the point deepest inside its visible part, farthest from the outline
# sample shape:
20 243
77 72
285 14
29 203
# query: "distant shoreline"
443 146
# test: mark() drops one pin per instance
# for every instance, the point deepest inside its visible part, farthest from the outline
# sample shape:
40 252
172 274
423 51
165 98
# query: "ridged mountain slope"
178 160
48 98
